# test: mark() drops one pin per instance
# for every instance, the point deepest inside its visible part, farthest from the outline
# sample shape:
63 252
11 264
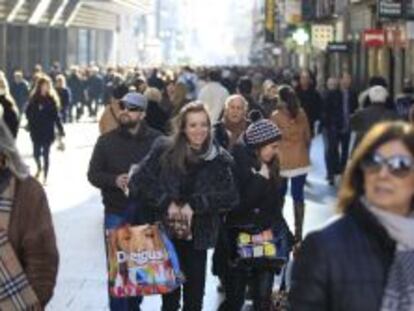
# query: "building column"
25 49
45 58
3 46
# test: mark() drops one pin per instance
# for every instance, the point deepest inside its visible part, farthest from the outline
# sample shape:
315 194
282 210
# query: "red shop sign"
374 37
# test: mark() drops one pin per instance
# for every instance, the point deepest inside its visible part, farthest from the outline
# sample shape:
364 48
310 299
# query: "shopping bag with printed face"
142 261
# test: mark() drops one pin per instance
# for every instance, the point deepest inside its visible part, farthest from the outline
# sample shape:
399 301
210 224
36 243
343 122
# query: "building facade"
378 35
69 32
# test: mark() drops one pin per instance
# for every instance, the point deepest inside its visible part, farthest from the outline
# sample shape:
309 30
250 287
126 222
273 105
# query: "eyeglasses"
125 106
398 165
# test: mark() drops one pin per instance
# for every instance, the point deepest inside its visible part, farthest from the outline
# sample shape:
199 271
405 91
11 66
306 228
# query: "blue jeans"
120 304
297 185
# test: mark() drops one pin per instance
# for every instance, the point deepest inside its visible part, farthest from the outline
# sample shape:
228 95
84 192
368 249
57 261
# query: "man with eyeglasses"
114 153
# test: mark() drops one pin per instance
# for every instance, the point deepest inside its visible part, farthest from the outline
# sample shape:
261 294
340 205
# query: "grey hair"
233 97
8 147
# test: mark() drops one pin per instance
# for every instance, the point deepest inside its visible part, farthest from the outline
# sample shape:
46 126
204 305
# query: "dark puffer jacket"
43 116
260 202
344 266
363 120
114 154
213 191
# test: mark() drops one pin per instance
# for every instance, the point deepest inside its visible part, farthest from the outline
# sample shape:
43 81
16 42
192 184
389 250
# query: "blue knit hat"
261 131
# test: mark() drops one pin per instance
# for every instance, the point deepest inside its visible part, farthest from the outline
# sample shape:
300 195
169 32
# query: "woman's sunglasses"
398 165
124 106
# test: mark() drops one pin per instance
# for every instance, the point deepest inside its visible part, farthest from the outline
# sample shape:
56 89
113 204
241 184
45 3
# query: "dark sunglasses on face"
398 165
124 106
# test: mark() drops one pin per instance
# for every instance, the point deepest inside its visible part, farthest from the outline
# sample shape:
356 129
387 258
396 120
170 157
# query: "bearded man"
114 154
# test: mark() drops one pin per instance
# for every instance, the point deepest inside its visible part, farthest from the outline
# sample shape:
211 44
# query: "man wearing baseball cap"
113 155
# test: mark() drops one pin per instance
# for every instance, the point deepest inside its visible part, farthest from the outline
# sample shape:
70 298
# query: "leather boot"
299 210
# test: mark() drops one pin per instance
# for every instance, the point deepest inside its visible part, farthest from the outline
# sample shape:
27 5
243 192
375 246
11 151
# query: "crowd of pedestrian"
230 143
216 150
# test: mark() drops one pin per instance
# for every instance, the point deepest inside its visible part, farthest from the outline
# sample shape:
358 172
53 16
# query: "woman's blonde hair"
352 187
153 94
42 79
180 95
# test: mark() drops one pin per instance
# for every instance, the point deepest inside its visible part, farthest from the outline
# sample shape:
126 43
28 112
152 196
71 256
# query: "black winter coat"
260 201
364 119
156 117
77 88
20 92
114 154
268 106
220 135
332 115
64 96
311 101
95 87
344 266
42 116
333 111
210 191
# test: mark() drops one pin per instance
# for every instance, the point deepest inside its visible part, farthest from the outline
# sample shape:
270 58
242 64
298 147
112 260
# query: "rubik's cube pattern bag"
267 249
142 261
257 245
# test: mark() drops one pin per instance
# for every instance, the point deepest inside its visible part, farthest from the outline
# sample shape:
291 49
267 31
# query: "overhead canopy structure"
97 14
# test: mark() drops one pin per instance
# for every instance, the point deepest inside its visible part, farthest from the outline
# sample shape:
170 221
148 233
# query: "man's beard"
126 122
129 125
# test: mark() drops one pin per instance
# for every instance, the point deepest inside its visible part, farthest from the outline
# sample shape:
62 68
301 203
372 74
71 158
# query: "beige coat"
295 143
32 236
108 121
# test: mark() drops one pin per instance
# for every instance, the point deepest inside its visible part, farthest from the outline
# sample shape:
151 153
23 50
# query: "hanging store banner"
293 12
409 9
374 37
390 9
341 6
322 35
338 47
308 10
270 8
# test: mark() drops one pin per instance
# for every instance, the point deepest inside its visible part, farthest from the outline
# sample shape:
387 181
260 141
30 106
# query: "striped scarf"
399 290
15 290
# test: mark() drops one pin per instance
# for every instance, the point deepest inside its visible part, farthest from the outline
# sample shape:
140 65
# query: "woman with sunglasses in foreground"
364 260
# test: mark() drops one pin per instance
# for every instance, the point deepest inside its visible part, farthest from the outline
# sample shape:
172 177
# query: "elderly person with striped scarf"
28 253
